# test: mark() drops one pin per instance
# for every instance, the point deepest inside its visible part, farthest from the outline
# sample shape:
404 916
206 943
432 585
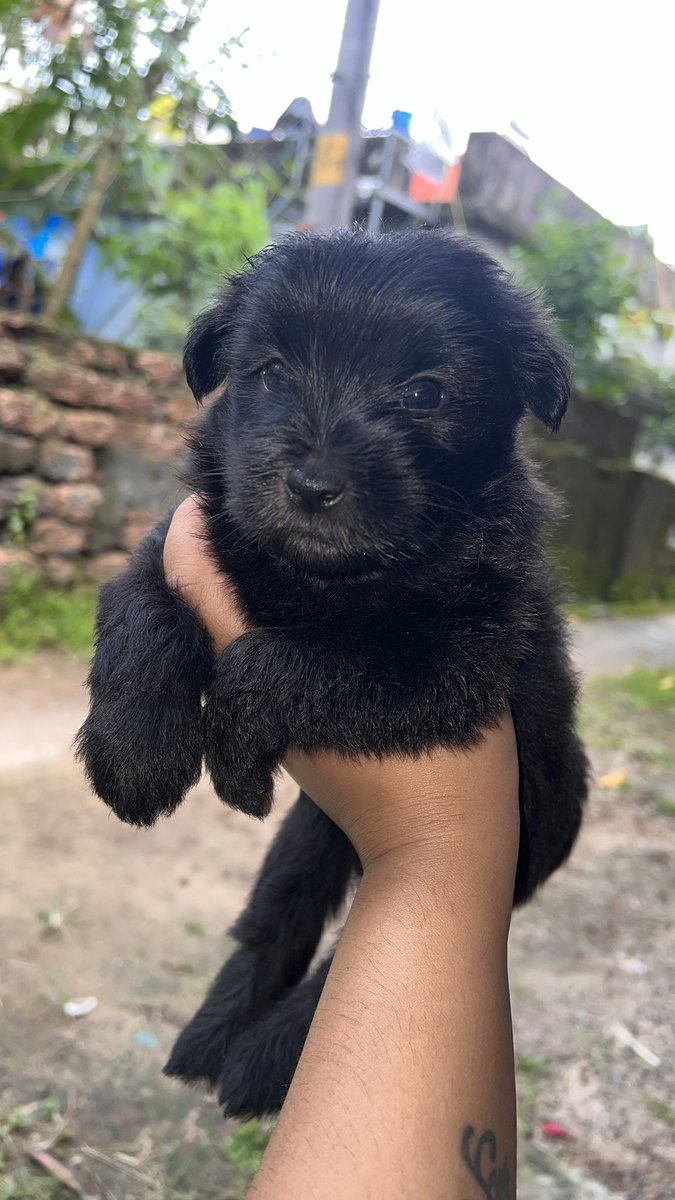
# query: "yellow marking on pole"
330 159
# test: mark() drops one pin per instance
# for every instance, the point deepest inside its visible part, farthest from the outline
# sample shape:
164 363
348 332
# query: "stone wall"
90 433
618 538
617 541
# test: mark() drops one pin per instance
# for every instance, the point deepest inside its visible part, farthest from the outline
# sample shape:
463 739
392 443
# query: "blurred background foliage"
110 125
193 235
594 291
111 128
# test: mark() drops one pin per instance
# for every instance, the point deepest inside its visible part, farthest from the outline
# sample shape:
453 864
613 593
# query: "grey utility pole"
330 201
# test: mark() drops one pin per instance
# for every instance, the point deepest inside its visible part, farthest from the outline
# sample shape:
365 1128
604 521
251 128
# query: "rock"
180 406
73 502
14 561
102 356
17 453
89 428
128 396
160 368
157 441
165 439
13 488
22 323
81 387
105 566
139 521
51 537
61 571
11 360
26 412
67 384
62 461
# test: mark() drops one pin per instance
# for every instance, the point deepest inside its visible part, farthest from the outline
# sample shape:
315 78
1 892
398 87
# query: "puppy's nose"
314 489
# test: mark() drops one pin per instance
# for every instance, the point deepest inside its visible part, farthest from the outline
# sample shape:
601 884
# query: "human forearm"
411 1044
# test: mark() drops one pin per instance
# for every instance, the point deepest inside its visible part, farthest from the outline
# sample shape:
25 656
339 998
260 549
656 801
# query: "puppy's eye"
274 376
422 395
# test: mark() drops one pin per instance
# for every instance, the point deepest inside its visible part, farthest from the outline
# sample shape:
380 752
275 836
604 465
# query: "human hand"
388 807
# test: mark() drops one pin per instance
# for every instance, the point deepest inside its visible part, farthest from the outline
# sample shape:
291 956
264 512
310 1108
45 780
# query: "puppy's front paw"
141 757
246 786
243 725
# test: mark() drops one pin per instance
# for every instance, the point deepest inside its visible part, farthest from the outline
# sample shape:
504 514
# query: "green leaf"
20 126
28 174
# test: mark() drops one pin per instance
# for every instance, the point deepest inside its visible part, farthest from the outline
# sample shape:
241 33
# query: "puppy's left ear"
206 358
542 375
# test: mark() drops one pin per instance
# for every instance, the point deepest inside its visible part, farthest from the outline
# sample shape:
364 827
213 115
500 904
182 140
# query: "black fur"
392 561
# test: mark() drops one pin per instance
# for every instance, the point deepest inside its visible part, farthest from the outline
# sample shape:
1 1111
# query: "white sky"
591 81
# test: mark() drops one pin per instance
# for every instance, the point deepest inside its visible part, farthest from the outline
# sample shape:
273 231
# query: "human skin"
405 1088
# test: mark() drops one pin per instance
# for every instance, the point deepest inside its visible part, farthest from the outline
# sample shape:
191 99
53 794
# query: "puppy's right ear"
206 358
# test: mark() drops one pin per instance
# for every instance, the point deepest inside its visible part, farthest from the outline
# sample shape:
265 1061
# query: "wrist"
446 811
468 876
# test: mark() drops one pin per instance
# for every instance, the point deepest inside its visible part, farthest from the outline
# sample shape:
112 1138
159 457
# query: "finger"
190 570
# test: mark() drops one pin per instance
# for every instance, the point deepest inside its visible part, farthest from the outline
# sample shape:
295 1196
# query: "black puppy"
367 491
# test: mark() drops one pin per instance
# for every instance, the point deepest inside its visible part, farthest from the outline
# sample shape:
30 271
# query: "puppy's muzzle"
314 489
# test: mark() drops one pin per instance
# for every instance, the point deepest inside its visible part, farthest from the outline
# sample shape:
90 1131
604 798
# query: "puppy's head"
372 385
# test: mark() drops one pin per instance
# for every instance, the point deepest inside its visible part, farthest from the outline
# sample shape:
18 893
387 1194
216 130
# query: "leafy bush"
180 255
594 293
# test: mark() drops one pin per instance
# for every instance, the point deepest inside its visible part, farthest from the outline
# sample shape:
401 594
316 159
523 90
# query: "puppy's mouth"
323 560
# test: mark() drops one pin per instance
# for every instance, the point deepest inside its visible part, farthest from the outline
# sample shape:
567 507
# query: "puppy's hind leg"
260 1064
303 881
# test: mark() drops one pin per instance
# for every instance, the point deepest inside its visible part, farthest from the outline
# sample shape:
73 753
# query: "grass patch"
37 616
648 690
662 1111
25 1184
610 704
533 1068
655 756
589 610
634 716
194 928
244 1150
660 802
19 1127
615 696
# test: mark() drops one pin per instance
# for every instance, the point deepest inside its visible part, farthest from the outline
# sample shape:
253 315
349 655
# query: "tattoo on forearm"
480 1156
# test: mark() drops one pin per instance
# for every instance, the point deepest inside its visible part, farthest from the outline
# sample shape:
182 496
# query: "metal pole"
330 201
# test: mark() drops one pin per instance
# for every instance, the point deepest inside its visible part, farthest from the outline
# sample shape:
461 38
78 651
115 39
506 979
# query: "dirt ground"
90 907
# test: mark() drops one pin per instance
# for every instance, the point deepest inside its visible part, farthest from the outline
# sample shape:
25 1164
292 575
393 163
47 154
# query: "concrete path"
612 645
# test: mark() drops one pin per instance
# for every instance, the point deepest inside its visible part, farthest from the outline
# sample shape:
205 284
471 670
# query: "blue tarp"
104 304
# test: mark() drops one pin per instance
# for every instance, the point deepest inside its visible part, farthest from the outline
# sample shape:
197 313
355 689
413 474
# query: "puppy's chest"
403 644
